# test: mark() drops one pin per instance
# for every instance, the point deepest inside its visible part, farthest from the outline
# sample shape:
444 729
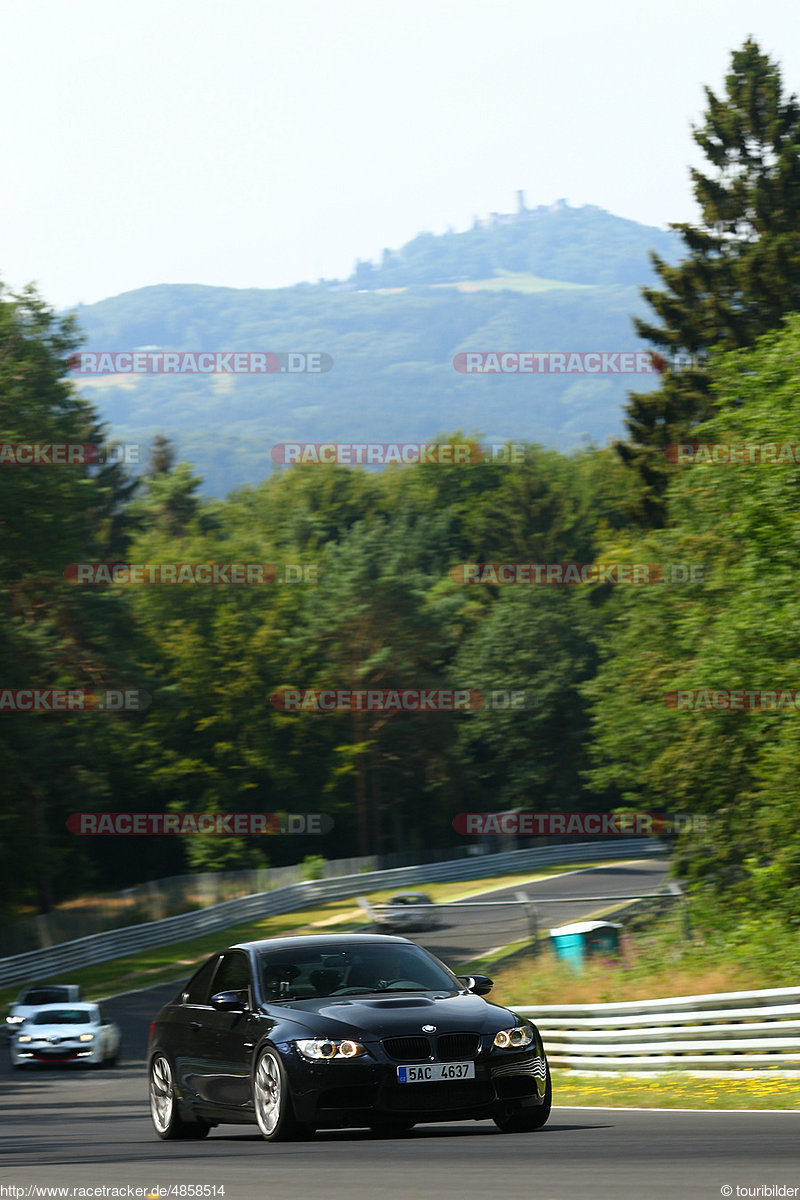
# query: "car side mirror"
479 985
235 1001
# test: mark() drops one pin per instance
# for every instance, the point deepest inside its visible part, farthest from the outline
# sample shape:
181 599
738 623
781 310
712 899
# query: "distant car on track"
407 912
58 1033
299 1033
35 996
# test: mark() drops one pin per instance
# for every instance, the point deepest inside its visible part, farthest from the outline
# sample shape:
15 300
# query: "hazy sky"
255 143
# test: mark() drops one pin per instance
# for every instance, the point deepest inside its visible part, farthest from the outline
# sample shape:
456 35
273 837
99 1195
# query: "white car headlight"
318 1049
14 1021
520 1035
86 1037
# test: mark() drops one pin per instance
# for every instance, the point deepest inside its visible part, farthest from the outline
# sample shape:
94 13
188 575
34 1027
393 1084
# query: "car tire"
111 1060
518 1119
164 1106
272 1101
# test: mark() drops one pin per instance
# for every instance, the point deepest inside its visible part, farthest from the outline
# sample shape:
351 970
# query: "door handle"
195 1025
248 1045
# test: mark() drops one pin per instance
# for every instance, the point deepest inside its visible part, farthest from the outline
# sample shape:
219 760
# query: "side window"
233 974
197 989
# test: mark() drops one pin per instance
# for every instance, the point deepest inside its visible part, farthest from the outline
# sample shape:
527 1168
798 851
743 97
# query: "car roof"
62 1004
306 941
50 987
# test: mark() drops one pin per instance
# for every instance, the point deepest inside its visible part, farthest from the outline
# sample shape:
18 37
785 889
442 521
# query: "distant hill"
584 245
549 279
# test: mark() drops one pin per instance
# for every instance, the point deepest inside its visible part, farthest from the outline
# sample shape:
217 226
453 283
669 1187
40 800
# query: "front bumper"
334 1094
61 1053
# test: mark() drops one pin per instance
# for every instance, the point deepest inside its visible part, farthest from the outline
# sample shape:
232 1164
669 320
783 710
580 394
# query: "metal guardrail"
730 1031
158 899
116 943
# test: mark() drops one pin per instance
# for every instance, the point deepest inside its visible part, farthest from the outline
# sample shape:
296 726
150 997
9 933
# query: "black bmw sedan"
300 1033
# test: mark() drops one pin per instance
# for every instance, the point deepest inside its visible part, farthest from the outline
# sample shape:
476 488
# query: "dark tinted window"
325 970
233 974
52 995
197 989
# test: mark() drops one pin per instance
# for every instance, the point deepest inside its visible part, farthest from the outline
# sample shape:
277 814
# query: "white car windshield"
63 1016
37 996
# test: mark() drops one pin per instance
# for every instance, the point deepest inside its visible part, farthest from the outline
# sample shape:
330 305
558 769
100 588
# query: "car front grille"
447 1047
408 1049
454 1047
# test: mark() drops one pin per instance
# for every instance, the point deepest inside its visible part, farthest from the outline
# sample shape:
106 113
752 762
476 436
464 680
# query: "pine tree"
742 271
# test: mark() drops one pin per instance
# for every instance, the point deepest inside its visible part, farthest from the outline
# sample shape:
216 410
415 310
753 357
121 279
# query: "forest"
364 595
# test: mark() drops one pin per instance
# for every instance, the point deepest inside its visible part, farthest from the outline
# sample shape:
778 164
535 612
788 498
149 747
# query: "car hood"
61 1030
392 1015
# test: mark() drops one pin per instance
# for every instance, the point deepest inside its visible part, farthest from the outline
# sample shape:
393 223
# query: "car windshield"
45 996
336 970
62 1016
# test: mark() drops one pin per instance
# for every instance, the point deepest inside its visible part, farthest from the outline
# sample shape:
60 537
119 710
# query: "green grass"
656 960
463 889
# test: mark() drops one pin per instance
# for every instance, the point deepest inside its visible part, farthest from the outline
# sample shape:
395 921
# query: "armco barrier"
100 947
735 1032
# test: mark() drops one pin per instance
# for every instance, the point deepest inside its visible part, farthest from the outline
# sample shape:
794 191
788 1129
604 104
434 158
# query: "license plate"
436 1072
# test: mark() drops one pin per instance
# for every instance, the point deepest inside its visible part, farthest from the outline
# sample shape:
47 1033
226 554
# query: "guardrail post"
533 920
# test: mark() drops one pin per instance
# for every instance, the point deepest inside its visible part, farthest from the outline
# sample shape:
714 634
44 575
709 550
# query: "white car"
32 998
407 911
59 1033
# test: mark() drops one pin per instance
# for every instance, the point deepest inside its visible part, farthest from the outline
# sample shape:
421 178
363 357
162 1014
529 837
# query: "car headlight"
24 1037
326 1048
14 1020
86 1037
520 1035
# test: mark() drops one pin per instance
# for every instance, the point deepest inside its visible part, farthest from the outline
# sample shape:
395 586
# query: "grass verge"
674 1090
656 960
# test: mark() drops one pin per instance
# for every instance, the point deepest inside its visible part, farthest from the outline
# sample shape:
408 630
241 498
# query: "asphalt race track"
90 1129
468 932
